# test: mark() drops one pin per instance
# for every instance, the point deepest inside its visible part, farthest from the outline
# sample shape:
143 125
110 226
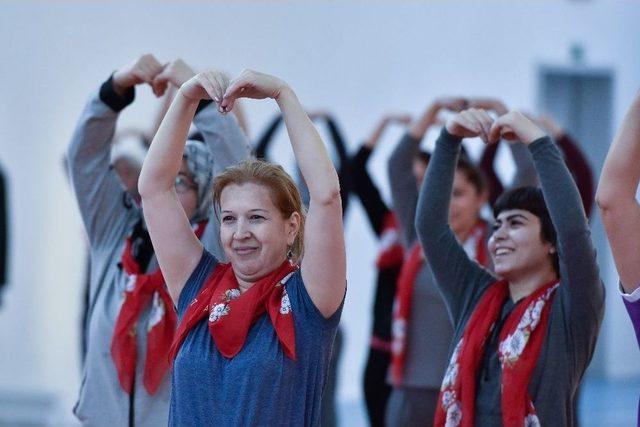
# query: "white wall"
356 59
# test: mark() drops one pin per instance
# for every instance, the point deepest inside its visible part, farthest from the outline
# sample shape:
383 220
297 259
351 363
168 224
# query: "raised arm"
459 278
324 263
404 188
574 158
344 172
176 246
616 198
99 193
363 185
579 271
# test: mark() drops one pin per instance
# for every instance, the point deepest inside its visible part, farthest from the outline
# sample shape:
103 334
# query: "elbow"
330 197
146 189
607 199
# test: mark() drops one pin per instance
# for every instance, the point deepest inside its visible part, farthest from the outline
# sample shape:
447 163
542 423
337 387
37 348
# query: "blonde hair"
283 190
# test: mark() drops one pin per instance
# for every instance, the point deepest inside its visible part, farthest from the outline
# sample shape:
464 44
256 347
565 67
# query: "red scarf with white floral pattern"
141 290
404 294
231 314
520 341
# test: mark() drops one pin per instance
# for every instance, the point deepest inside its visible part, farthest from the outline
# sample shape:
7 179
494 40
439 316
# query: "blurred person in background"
384 225
131 320
422 329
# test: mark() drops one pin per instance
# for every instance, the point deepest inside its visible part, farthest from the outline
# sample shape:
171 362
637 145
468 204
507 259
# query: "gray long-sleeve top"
108 220
577 309
429 329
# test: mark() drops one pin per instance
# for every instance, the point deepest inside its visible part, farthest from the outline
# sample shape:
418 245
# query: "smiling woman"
255 335
524 337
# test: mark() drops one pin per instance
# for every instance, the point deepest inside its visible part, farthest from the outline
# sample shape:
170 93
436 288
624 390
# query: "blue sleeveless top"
260 385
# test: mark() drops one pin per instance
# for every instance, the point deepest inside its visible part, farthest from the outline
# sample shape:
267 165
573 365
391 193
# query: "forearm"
620 174
428 118
559 189
309 150
433 204
404 192
338 140
94 131
366 190
376 135
526 175
164 159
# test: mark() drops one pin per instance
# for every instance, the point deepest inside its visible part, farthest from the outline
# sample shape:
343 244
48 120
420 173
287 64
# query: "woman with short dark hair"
525 335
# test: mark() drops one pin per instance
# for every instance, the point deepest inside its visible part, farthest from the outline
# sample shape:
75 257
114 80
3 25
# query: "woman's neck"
243 285
526 284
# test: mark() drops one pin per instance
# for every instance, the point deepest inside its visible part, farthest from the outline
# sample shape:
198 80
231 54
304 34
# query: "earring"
289 252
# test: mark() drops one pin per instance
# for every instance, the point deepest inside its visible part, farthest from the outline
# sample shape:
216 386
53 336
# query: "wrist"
181 96
532 135
116 100
285 95
121 82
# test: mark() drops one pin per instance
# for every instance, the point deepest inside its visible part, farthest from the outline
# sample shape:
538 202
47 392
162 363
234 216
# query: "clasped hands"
211 84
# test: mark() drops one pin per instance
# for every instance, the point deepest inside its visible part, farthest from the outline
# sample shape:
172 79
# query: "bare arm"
176 246
616 198
324 262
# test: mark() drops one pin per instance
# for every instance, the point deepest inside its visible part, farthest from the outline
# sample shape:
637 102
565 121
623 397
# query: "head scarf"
200 164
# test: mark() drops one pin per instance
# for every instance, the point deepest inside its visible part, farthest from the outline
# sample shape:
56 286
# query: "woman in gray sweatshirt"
523 336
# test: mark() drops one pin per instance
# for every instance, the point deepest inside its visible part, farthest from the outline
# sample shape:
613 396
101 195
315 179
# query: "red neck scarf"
520 341
141 290
231 314
404 293
390 252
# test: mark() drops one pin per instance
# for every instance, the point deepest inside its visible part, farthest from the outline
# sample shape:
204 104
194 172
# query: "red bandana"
141 290
390 253
404 293
232 314
520 341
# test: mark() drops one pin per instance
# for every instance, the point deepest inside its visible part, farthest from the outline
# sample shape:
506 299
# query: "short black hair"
530 199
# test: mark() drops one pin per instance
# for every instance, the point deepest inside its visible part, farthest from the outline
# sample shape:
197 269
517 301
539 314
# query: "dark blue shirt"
260 385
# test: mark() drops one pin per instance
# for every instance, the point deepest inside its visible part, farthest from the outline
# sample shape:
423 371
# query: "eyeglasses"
183 184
